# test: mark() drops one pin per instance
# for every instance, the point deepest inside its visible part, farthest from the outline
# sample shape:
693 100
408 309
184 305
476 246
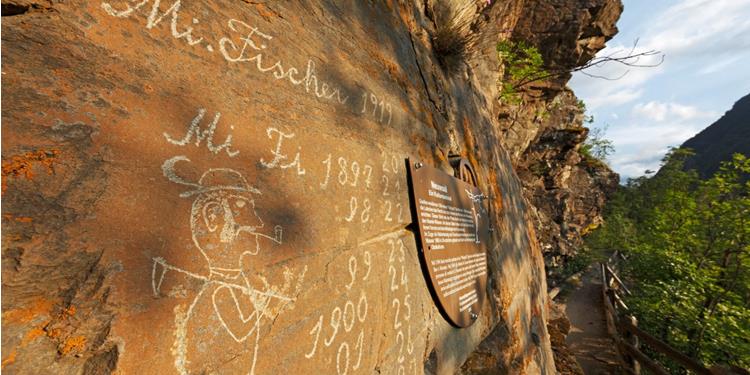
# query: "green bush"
688 247
523 64
596 149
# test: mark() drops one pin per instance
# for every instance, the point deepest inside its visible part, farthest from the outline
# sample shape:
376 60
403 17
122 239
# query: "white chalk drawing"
391 195
401 315
348 316
247 46
348 174
377 103
154 18
234 54
392 163
364 215
279 157
194 131
246 43
226 230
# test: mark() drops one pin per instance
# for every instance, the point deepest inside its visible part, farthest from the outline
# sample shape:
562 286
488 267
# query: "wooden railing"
628 337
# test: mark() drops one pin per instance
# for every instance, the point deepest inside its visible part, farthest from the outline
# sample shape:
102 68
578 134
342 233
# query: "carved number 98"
353 208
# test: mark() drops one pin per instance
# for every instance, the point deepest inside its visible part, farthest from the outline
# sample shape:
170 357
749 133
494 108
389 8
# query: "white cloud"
621 84
612 98
691 32
719 65
642 143
701 27
662 136
660 111
654 108
638 163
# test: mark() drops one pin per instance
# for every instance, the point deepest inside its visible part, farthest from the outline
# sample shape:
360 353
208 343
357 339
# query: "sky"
706 68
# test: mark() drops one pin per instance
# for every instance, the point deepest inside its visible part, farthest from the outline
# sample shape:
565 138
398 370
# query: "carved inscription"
245 43
224 217
227 231
229 228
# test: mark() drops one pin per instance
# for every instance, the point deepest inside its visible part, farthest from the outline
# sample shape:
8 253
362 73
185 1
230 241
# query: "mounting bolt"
474 316
417 165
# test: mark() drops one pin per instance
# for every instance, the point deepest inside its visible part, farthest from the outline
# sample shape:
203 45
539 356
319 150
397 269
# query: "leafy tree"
524 64
688 247
596 147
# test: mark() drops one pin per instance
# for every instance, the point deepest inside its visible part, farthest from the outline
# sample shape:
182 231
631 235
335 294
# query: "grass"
454 38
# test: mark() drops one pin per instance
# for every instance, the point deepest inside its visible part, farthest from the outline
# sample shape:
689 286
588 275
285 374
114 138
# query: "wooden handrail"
617 278
604 279
624 325
665 349
613 256
643 359
620 301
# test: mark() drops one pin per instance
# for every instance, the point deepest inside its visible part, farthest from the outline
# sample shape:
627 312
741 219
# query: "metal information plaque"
453 228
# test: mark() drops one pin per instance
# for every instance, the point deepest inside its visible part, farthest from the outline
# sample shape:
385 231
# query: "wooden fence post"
633 340
627 336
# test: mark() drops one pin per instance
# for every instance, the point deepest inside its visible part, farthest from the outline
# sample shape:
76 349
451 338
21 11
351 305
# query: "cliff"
219 186
565 191
728 135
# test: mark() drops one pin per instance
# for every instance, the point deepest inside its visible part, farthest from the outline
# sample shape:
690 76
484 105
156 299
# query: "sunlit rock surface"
219 187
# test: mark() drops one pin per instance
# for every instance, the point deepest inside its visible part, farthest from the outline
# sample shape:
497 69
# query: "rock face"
565 191
219 187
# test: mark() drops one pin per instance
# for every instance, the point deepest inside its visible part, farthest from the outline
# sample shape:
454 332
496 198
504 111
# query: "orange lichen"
70 311
53 333
23 165
12 237
468 136
32 334
10 359
76 343
25 315
405 106
505 297
535 249
265 12
497 200
20 219
395 72
471 146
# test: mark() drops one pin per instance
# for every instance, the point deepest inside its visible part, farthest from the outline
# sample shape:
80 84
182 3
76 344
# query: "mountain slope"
728 135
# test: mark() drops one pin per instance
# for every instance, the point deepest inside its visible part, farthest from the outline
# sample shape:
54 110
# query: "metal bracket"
463 170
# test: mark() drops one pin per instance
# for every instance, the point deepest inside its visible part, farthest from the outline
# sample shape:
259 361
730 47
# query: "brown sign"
453 228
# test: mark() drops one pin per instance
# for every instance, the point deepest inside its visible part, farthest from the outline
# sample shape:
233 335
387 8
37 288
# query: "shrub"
523 64
596 149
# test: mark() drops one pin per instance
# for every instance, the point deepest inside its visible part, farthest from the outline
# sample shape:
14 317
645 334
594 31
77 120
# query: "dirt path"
588 338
